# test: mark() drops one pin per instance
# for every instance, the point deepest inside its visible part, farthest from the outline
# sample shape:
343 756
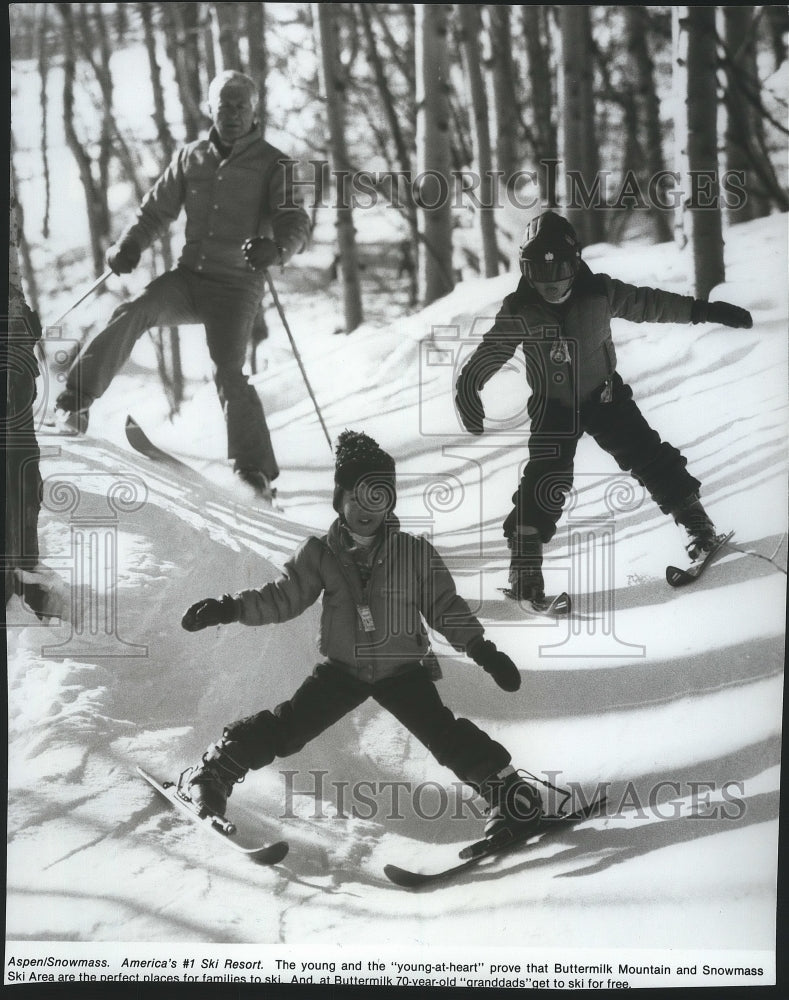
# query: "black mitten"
210 611
723 313
494 662
261 252
123 257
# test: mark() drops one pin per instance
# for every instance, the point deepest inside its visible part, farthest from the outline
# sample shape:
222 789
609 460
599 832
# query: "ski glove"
123 257
723 313
494 662
210 612
261 252
470 408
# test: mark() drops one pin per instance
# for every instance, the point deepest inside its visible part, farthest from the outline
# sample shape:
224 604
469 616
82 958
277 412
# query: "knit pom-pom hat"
360 460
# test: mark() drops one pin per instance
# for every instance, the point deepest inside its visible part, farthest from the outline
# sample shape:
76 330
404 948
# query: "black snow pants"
620 428
330 692
227 311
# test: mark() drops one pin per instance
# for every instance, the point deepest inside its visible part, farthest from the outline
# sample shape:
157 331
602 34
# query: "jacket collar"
336 535
225 151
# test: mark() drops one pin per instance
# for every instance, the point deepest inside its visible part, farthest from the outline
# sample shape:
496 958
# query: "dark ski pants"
619 428
227 311
330 693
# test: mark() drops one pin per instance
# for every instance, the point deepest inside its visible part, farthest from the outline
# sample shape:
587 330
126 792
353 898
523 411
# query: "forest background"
643 124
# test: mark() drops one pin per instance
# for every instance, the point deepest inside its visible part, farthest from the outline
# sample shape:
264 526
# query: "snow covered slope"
673 697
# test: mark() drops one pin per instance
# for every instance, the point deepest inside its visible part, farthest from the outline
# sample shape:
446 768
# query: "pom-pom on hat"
361 460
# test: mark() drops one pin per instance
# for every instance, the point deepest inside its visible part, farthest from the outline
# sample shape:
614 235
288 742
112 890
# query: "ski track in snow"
669 687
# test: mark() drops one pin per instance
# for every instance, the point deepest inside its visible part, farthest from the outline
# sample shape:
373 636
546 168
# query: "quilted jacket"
227 199
568 348
409 583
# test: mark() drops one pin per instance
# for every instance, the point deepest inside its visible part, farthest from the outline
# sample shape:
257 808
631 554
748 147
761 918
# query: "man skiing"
236 191
378 584
560 314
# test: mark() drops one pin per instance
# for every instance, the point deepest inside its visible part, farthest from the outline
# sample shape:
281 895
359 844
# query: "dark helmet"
550 250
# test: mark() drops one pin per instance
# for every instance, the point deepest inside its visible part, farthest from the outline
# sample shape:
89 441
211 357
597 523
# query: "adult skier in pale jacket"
560 315
378 584
237 193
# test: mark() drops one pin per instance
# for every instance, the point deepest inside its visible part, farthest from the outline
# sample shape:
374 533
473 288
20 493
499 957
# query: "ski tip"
272 854
404 878
675 576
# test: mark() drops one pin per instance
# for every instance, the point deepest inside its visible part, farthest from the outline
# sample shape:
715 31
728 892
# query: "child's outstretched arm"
494 662
641 304
210 611
299 587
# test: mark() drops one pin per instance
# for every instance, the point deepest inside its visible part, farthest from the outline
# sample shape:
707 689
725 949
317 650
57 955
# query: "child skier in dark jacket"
378 583
560 314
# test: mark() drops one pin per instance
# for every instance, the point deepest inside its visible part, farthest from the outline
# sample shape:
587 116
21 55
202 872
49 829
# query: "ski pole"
96 284
296 354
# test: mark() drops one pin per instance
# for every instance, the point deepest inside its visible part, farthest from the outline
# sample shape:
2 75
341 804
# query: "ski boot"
514 806
697 526
525 576
72 412
259 482
210 783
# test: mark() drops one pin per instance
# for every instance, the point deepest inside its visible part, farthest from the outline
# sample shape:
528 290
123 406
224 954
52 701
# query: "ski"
679 577
551 607
473 854
218 826
140 441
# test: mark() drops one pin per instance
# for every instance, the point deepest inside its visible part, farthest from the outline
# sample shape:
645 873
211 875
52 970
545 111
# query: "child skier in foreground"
378 582
561 315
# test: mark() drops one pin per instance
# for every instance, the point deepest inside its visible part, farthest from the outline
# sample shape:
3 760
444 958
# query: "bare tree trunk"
505 90
120 23
581 151
255 18
21 247
433 150
226 21
173 382
188 15
546 146
95 196
702 104
166 140
745 141
471 27
778 25
401 149
334 89
650 158
207 45
182 26
43 72
104 76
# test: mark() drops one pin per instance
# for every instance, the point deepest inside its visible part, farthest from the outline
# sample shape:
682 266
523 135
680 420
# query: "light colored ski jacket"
409 583
227 199
568 348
